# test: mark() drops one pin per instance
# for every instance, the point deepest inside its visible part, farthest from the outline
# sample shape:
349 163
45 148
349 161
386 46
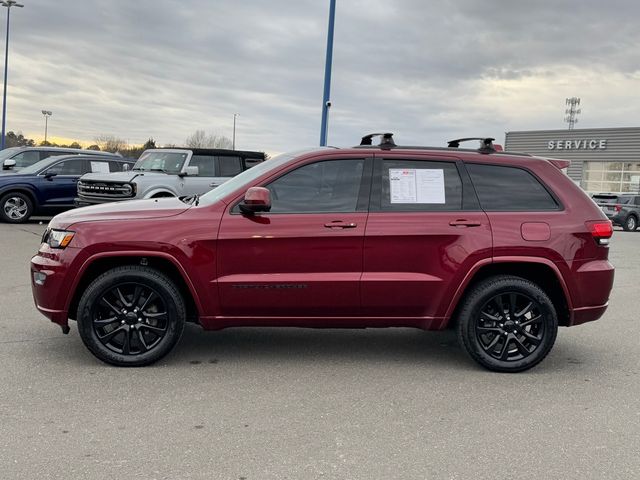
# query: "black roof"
217 151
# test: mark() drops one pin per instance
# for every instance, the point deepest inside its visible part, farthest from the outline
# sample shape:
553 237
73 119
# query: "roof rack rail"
486 144
386 139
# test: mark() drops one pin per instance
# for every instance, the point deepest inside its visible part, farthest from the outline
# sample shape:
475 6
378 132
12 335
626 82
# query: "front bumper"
50 283
86 202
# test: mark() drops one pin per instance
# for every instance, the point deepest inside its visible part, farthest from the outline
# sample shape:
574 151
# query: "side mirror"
50 175
257 199
8 164
191 172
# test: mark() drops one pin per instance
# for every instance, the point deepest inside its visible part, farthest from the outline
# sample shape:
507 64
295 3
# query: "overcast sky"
428 71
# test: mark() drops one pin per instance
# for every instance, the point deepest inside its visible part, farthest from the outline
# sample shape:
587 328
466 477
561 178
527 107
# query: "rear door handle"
461 222
340 224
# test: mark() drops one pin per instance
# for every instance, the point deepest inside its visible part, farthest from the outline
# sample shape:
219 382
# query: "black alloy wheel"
510 326
131 316
507 323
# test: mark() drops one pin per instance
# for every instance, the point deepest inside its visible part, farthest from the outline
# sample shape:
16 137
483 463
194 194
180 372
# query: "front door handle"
340 224
461 222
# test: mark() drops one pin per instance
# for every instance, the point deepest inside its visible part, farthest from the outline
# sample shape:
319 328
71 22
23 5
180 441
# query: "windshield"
158 161
8 152
249 176
36 167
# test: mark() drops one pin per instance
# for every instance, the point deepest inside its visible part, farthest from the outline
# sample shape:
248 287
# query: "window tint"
509 189
68 167
229 166
416 185
118 166
329 186
205 164
27 158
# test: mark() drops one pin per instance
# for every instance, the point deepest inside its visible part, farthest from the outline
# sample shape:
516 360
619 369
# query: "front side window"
205 164
417 185
509 189
68 167
326 186
229 166
158 161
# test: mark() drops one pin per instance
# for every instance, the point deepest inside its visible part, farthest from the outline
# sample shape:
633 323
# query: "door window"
69 167
229 166
327 186
419 185
205 164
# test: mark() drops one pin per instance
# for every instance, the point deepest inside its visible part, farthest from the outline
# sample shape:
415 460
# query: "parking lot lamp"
234 131
8 4
326 103
47 114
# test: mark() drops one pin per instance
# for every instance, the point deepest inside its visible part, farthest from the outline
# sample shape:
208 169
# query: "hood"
121 211
119 176
10 174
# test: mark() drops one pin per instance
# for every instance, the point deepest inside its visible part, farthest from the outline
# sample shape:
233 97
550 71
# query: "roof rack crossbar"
486 143
386 139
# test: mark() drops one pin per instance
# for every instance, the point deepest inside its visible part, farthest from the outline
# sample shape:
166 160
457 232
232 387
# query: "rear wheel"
507 324
631 224
131 316
16 207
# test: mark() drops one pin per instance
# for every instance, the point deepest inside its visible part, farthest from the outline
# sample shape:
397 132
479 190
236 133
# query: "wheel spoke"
109 305
504 353
109 336
524 311
141 341
520 346
157 330
151 296
499 304
489 329
492 344
531 321
156 316
136 296
105 321
512 304
489 318
126 346
532 338
122 299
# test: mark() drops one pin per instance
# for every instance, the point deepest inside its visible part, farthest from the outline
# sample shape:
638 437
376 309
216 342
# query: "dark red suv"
504 247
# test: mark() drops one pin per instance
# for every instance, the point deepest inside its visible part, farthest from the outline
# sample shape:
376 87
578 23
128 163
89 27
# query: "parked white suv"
166 172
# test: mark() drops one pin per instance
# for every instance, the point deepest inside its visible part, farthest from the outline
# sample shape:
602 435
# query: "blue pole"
4 95
327 75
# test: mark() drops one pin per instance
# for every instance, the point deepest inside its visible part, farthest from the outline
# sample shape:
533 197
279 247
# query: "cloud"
425 70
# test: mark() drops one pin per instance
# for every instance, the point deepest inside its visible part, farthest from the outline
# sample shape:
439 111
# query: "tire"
513 338
631 223
16 207
131 316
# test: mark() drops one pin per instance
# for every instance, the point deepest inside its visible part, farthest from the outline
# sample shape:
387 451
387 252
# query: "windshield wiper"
158 170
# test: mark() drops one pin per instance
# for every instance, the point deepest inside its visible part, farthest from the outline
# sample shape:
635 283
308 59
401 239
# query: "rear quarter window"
509 189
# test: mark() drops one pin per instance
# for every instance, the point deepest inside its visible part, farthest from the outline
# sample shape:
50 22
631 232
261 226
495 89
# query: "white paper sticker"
412 185
100 167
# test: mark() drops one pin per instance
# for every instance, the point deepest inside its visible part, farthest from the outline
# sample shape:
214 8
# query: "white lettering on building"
586 144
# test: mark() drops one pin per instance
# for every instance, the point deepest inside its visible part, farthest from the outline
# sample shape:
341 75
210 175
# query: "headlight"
127 189
58 238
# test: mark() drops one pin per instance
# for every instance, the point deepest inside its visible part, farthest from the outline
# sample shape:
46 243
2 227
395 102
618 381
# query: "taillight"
618 208
601 230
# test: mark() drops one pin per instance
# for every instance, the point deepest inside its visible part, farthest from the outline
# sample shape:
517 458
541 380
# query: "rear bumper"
587 314
593 285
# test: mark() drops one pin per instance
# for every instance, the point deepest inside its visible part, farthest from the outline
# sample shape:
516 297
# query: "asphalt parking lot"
306 404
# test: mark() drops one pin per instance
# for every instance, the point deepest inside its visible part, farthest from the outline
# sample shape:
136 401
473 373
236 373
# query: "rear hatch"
610 203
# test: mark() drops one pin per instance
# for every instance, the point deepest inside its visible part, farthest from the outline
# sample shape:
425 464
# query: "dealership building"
602 159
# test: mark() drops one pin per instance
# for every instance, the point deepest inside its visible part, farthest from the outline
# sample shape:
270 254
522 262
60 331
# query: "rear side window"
422 186
509 189
27 158
205 164
229 166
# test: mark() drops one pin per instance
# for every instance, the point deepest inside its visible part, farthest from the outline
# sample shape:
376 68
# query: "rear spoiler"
559 164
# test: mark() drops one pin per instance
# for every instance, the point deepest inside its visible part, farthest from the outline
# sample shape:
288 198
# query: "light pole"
47 114
326 103
8 4
233 143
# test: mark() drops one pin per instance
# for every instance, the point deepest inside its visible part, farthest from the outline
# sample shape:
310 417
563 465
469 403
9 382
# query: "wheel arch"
24 190
160 193
99 264
542 272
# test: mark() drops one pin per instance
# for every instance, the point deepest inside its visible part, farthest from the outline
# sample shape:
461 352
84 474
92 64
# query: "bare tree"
200 139
111 143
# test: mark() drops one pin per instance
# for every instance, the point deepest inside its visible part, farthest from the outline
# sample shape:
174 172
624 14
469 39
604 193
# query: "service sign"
584 144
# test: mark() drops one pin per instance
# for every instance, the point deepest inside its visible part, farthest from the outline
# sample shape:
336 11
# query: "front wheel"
16 207
131 316
507 324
